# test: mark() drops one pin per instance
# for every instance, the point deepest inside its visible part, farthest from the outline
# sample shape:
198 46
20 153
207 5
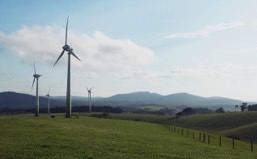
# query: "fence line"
202 136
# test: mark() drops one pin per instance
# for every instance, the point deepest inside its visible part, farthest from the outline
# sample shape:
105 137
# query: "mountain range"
14 100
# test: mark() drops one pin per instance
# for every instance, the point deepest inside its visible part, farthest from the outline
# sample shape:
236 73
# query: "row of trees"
245 107
80 109
190 111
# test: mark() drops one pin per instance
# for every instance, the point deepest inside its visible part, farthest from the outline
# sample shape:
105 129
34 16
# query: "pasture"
24 136
242 125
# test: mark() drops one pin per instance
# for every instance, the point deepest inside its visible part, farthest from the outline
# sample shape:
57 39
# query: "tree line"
80 109
246 107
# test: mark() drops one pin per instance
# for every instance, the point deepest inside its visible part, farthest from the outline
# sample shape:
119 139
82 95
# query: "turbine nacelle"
70 51
89 90
66 48
36 75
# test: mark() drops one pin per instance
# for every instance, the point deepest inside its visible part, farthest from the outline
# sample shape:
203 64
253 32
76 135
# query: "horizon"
205 48
85 96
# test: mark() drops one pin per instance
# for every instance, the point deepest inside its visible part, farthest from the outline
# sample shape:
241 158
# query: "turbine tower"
89 99
69 50
48 108
36 76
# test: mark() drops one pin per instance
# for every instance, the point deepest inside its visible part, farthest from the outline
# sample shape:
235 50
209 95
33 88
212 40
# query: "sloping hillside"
238 124
91 138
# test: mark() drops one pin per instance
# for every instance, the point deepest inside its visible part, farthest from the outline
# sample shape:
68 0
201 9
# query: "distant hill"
177 99
180 99
219 101
15 100
136 96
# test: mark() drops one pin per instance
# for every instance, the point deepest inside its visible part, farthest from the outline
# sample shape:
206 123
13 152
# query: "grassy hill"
24 136
241 125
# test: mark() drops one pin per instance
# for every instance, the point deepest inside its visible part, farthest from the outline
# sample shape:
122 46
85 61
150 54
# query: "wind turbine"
89 98
69 50
48 95
36 76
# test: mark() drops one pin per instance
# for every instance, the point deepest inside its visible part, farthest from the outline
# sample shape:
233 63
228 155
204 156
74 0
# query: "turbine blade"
75 56
35 72
66 30
33 83
91 88
59 57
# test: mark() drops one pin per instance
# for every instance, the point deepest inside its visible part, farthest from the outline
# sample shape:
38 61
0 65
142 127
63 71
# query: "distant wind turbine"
69 50
36 76
48 95
89 98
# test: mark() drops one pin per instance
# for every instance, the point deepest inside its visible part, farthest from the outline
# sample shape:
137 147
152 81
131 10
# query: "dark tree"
220 110
252 107
188 111
243 107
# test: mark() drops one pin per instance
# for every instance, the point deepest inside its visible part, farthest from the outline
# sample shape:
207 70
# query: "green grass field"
241 125
140 117
27 137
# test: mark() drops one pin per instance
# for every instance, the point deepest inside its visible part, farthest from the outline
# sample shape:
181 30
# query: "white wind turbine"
69 50
48 108
89 98
36 76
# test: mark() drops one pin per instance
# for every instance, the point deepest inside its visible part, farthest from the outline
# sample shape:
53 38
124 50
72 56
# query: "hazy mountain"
19 100
180 99
136 96
219 101
13 100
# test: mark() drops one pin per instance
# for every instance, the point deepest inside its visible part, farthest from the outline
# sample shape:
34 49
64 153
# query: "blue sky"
203 47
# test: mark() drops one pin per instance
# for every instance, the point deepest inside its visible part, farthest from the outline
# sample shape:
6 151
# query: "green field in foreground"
91 138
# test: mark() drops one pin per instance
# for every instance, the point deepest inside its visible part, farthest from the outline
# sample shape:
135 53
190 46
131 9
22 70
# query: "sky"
203 47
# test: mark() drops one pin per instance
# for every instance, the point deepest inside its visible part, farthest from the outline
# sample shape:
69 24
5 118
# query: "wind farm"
126 79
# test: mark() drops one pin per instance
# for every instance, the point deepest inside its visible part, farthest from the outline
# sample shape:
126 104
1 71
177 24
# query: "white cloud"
145 75
99 53
206 30
218 74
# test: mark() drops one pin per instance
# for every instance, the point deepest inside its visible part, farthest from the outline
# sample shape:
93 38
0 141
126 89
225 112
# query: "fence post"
233 142
182 131
220 141
251 140
203 137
